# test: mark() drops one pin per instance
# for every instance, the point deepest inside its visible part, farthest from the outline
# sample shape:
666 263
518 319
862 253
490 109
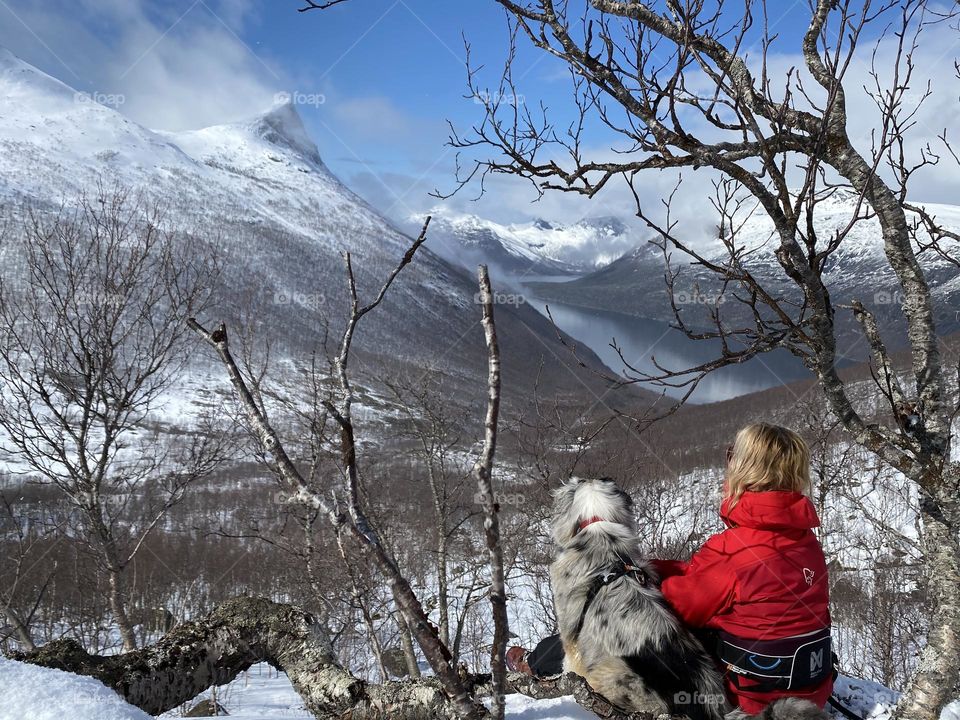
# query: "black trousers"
546 658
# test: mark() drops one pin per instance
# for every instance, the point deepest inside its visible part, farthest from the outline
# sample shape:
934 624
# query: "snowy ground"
34 693
263 694
257 694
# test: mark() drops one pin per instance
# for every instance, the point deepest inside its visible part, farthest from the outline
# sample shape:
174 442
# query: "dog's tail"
790 708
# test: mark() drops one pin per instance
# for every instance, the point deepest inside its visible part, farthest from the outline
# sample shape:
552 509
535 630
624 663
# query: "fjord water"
644 341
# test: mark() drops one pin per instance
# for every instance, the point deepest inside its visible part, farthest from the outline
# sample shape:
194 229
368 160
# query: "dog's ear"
563 516
567 487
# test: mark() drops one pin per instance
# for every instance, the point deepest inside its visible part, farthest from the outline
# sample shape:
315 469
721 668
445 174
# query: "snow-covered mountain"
535 248
281 218
634 283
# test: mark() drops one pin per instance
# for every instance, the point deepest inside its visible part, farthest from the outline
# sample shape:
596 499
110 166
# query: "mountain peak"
20 77
282 125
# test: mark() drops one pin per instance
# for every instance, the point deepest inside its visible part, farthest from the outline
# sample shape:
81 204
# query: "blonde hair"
767 457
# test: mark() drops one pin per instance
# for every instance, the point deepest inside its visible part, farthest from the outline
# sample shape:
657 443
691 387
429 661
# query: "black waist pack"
792 663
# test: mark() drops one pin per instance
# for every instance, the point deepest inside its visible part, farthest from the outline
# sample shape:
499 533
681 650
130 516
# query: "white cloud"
178 65
181 65
934 58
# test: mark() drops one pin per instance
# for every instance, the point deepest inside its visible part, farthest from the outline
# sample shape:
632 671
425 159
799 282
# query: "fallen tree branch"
242 632
212 651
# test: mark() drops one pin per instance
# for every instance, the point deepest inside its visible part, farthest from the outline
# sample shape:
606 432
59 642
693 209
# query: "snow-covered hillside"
859 259
534 248
858 270
260 190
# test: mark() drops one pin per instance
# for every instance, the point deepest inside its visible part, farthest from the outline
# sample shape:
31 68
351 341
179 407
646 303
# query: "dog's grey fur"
631 649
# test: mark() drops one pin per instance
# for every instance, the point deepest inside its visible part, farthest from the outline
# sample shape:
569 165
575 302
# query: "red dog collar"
591 521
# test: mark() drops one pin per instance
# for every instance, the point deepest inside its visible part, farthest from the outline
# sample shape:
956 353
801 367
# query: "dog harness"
609 575
791 663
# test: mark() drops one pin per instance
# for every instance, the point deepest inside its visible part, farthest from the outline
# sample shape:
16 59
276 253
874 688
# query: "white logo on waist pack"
808 575
816 661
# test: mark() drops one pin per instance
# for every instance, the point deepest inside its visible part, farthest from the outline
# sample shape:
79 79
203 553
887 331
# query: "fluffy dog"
617 630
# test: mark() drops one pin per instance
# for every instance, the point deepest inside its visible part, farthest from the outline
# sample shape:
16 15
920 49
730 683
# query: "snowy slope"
634 283
54 138
261 191
534 248
860 257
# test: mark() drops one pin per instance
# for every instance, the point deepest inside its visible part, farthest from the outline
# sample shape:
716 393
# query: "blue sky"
377 81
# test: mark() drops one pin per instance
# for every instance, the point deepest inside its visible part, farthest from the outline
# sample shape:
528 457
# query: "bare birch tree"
345 507
91 337
483 471
782 144
437 435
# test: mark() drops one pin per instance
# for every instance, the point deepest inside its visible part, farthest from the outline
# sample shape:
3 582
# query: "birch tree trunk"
21 630
406 645
110 557
196 656
118 608
936 681
491 511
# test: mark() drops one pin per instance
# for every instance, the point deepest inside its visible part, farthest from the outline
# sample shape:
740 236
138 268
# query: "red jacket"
763 578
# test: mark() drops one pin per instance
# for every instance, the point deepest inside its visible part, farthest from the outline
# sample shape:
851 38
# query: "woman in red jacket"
760 585
762 582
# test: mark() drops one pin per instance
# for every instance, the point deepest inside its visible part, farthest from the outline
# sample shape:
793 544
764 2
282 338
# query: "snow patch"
868 700
30 692
521 707
951 711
